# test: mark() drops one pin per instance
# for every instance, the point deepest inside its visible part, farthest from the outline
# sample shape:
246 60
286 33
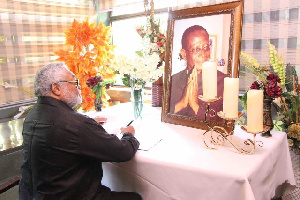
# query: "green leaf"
126 80
104 83
243 101
97 96
139 53
94 89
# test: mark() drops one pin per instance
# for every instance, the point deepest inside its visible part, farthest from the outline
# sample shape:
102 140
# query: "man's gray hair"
48 74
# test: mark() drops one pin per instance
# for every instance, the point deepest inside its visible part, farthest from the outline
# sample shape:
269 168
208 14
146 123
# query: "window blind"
30 31
277 21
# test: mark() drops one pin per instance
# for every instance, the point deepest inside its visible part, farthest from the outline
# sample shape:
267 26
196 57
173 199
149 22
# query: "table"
179 167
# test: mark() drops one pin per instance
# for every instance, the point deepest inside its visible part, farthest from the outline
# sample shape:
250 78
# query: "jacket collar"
52 101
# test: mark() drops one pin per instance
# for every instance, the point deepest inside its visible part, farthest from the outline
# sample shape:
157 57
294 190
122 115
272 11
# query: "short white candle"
255 111
209 80
231 97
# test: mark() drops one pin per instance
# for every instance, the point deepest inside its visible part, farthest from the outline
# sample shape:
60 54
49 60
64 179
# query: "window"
30 31
125 35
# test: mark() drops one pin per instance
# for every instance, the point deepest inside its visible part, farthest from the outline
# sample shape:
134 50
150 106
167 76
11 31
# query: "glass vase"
98 99
137 99
98 104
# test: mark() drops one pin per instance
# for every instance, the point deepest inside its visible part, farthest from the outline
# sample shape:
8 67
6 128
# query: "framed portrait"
210 34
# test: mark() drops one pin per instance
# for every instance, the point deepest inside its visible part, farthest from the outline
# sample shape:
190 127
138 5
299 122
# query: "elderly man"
64 150
186 85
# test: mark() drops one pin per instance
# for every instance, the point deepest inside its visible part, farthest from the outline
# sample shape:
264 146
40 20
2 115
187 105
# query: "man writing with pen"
64 150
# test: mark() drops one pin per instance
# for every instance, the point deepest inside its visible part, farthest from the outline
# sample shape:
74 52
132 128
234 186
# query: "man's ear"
56 90
183 54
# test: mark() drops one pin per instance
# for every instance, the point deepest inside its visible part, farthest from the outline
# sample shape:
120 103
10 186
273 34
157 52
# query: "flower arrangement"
153 37
154 40
136 72
139 70
261 72
91 54
289 110
279 84
270 86
97 84
271 78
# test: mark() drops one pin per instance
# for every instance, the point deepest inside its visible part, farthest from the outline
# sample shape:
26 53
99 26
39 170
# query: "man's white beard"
72 99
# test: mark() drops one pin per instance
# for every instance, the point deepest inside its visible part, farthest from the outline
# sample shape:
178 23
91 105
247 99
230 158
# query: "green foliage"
126 80
98 88
288 104
291 78
140 53
254 67
290 112
243 100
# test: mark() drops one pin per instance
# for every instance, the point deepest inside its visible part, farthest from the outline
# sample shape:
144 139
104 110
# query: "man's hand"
185 99
129 129
193 91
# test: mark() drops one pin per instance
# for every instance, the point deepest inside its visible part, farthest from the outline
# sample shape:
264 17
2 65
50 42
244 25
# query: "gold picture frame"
226 15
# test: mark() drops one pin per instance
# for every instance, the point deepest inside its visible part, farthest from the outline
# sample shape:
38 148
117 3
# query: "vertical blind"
30 31
277 21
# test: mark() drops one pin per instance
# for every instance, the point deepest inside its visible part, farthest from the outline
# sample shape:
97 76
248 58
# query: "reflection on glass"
1 143
16 135
11 134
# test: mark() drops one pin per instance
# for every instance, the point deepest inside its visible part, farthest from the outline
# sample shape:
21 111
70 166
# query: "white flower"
140 68
153 46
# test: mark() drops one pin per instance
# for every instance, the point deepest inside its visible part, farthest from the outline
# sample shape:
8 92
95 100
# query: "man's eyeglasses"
197 50
76 82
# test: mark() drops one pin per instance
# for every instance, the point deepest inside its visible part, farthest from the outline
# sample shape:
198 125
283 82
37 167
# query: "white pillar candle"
209 80
231 97
255 111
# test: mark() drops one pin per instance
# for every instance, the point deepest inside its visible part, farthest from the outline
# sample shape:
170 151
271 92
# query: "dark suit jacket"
178 85
64 151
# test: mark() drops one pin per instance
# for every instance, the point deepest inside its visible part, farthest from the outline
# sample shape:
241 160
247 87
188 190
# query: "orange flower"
91 53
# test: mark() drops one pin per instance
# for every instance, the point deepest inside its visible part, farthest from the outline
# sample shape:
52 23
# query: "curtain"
277 21
30 31
109 5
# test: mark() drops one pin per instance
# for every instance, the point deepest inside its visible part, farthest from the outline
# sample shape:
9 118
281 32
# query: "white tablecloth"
179 167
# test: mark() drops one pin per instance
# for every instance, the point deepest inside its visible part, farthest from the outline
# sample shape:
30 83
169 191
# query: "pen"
130 122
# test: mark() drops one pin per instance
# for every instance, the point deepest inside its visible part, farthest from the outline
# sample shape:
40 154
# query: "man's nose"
200 53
